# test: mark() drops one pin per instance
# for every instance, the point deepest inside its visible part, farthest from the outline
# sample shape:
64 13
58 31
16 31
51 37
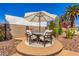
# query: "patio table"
38 35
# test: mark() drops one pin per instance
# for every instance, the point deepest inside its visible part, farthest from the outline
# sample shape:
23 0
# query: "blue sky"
21 8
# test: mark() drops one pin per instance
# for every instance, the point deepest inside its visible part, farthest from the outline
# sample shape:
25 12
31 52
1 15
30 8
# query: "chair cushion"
33 37
29 32
47 31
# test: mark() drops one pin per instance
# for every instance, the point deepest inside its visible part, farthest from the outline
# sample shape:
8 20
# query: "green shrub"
60 27
60 31
1 35
70 33
51 26
56 32
56 26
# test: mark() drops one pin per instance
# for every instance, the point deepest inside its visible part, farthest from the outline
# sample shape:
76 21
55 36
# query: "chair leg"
27 39
44 42
51 39
30 40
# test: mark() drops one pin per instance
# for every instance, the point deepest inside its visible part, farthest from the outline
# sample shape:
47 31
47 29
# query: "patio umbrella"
40 17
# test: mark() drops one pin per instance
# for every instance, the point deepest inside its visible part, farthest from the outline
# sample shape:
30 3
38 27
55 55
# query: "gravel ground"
70 44
8 47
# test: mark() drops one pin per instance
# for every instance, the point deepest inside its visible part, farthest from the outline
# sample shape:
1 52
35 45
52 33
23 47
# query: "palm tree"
72 12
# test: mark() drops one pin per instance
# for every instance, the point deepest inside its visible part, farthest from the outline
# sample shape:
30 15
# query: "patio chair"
30 37
47 37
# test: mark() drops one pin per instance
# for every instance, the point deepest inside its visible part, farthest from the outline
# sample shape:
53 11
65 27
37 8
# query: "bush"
56 32
1 35
51 26
70 33
60 31
56 26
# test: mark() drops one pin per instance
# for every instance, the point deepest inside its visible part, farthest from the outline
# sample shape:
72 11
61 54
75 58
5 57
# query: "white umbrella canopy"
34 16
40 17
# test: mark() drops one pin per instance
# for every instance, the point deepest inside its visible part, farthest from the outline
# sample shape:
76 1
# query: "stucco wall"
17 31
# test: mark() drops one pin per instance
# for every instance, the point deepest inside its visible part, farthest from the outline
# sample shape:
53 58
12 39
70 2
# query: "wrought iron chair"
47 37
30 37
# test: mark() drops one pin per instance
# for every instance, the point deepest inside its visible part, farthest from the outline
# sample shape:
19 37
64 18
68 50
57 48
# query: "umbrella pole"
39 23
47 25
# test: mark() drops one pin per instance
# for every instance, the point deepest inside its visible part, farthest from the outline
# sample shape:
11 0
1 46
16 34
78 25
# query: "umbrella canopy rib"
45 19
33 18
